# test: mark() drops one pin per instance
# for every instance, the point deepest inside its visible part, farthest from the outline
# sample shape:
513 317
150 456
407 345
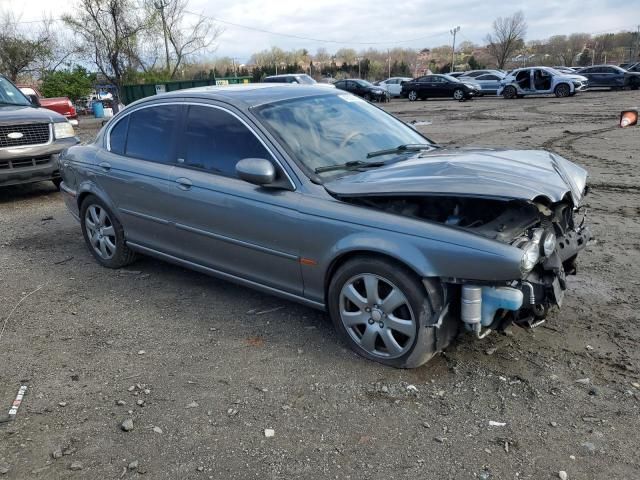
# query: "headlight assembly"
548 244
63 130
530 256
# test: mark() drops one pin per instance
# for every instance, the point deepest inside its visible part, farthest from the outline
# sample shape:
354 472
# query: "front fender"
434 258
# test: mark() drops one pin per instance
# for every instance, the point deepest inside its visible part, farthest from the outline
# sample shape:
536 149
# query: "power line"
311 39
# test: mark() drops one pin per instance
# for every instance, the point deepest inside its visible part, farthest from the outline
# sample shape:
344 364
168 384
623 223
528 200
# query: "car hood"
489 173
28 114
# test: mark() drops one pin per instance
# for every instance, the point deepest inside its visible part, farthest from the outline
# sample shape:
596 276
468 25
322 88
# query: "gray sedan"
323 198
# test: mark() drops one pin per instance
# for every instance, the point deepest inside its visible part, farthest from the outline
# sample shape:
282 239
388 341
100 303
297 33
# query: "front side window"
215 141
151 132
326 130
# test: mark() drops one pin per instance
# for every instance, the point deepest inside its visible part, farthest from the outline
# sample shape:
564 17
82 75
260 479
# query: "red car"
61 105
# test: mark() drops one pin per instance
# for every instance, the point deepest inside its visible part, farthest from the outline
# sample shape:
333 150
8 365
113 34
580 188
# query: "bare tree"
21 50
108 32
182 39
576 43
507 37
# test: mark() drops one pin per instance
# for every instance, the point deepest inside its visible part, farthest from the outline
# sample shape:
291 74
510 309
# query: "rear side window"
151 132
216 140
118 137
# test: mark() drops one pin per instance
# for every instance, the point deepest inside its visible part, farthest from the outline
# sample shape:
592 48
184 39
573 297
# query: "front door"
223 222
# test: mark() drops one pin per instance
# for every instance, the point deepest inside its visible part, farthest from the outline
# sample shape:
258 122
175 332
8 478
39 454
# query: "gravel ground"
203 368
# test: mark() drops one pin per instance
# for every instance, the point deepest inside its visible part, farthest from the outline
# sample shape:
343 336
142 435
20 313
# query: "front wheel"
458 94
57 182
412 96
104 234
562 90
383 312
509 92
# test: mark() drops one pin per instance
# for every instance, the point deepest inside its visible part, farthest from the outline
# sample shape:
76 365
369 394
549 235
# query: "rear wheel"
412 96
562 90
635 84
509 92
382 311
103 234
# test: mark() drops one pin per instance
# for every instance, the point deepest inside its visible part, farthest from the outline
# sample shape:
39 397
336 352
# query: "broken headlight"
531 252
549 243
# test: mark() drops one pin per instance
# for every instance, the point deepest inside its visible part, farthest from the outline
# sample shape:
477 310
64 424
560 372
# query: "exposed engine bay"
550 235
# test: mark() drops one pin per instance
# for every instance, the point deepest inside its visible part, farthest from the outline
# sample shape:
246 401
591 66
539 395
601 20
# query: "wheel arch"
418 269
86 189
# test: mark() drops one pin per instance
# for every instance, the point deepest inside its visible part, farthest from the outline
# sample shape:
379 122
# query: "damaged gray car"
323 198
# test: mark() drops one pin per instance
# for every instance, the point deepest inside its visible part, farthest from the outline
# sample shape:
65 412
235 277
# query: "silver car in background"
393 85
320 197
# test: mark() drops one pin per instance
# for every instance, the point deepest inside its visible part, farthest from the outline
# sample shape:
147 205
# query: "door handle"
184 183
105 166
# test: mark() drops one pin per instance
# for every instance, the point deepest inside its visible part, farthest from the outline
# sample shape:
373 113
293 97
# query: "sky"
381 24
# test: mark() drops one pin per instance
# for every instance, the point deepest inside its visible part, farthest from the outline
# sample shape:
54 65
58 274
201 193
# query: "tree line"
153 41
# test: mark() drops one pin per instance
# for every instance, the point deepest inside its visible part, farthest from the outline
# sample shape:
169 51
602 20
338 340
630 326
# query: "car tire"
635 84
367 97
361 325
57 182
562 90
412 95
104 235
509 92
458 94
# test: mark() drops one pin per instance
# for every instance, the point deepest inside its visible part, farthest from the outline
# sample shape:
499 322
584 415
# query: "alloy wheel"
100 231
377 316
413 96
458 94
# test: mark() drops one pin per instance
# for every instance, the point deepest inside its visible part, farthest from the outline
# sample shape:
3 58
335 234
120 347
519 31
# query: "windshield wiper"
352 165
409 147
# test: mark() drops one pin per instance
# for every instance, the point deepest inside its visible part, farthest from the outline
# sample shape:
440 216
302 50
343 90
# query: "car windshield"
452 79
364 83
326 130
10 95
553 71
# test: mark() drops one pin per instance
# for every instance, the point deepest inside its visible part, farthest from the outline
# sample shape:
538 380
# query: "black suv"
439 86
31 139
610 76
363 89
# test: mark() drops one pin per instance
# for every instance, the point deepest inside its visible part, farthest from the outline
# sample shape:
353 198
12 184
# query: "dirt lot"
214 365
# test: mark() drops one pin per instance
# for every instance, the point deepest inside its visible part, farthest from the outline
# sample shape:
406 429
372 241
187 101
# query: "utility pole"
389 59
453 32
359 76
160 5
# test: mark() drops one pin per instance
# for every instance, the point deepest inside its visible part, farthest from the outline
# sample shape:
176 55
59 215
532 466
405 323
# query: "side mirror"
628 118
35 101
256 170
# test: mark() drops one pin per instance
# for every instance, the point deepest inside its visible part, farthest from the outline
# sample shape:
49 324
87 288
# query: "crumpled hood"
28 114
489 173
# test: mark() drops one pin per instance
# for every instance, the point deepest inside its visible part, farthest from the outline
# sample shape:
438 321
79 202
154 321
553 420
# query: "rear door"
134 171
223 222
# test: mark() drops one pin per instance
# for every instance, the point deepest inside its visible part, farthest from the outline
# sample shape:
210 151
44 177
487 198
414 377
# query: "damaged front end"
550 235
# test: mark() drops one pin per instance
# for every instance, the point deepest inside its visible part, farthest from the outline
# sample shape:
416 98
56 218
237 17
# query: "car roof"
247 95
